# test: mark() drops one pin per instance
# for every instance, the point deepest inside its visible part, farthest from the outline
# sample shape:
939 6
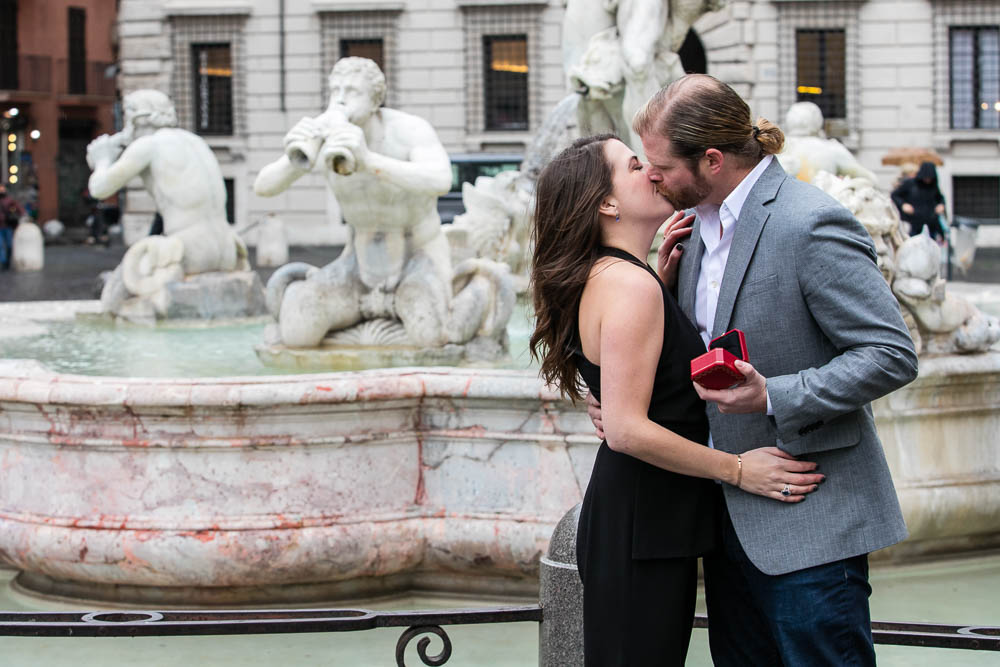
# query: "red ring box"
716 369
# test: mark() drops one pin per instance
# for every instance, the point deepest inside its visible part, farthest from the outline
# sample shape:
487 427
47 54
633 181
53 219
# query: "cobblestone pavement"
72 271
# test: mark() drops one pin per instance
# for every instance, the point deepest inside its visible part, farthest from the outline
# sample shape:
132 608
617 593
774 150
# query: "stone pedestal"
272 244
29 248
216 295
560 636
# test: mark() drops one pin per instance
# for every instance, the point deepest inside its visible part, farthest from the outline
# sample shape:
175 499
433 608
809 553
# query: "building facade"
485 73
57 92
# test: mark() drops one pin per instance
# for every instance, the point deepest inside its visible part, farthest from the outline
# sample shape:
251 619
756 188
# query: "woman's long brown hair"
567 237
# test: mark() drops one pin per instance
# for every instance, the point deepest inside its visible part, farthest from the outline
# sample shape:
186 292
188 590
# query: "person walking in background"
921 203
790 267
651 506
10 212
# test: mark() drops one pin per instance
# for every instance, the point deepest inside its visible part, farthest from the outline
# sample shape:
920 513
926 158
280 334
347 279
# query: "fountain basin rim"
28 381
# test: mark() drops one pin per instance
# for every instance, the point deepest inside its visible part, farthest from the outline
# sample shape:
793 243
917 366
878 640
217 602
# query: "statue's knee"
422 306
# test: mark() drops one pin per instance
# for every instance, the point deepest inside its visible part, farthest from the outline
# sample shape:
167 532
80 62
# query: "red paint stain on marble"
200 535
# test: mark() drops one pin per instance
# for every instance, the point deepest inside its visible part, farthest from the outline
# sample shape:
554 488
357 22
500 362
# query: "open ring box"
716 369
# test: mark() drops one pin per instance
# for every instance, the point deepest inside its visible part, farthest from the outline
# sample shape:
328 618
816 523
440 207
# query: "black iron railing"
417 623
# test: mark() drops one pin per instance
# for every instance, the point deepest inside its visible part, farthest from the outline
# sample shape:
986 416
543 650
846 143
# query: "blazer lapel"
687 279
753 215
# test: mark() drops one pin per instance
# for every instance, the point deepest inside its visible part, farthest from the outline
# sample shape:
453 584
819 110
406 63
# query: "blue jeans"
816 616
6 246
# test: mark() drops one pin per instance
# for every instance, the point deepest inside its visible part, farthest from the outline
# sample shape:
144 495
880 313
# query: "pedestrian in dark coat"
920 202
10 212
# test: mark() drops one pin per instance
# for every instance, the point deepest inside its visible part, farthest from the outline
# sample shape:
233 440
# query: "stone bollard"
560 635
272 245
29 247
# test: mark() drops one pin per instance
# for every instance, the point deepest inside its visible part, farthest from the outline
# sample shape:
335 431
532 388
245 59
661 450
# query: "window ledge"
208 8
945 139
466 4
233 144
357 6
514 139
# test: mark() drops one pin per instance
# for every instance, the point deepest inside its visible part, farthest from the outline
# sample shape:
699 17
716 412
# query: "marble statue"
808 151
874 209
495 225
272 244
617 53
940 323
947 323
394 282
28 253
182 175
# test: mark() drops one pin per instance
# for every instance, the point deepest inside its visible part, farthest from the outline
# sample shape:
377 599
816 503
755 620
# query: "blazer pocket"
844 431
768 284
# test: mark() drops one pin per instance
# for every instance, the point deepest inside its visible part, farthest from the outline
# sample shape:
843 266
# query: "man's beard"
690 195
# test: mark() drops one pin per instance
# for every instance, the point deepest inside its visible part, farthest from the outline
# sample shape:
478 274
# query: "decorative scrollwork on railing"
417 630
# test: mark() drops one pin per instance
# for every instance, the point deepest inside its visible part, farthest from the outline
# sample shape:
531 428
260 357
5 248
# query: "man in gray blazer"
790 267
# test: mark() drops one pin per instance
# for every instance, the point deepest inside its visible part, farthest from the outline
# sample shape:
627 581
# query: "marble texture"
386 168
260 486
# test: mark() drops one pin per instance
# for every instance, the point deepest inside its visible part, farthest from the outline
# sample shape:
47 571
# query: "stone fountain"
201 491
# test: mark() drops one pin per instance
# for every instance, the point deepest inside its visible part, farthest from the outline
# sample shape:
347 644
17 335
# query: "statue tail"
279 282
499 297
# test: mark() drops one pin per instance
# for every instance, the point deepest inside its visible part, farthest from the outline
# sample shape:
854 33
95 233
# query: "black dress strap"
609 251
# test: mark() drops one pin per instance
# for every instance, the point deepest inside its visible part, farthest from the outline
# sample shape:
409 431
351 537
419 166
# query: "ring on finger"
786 491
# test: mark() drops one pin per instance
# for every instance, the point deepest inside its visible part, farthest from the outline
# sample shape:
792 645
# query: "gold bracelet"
739 470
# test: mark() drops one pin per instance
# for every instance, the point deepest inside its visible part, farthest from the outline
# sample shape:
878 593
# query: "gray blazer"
825 330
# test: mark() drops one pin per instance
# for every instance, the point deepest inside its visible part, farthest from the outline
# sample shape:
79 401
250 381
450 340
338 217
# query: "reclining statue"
183 177
386 168
808 151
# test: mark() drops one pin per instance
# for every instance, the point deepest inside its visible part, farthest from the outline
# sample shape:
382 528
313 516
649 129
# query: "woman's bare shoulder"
624 277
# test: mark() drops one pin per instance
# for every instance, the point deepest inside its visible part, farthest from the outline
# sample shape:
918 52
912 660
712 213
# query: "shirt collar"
734 202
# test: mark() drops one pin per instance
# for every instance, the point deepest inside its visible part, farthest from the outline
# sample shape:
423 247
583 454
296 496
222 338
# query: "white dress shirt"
717 245
718 224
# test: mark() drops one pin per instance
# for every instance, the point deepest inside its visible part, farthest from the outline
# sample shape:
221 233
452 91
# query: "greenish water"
99 346
960 591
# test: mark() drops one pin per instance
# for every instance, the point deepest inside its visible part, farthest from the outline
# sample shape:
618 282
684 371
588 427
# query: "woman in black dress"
604 315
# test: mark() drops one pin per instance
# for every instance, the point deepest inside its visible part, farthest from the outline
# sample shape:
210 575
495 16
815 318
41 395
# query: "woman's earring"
617 217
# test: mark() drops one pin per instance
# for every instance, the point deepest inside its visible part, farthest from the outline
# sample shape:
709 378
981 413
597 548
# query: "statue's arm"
640 25
848 164
427 167
110 175
276 177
